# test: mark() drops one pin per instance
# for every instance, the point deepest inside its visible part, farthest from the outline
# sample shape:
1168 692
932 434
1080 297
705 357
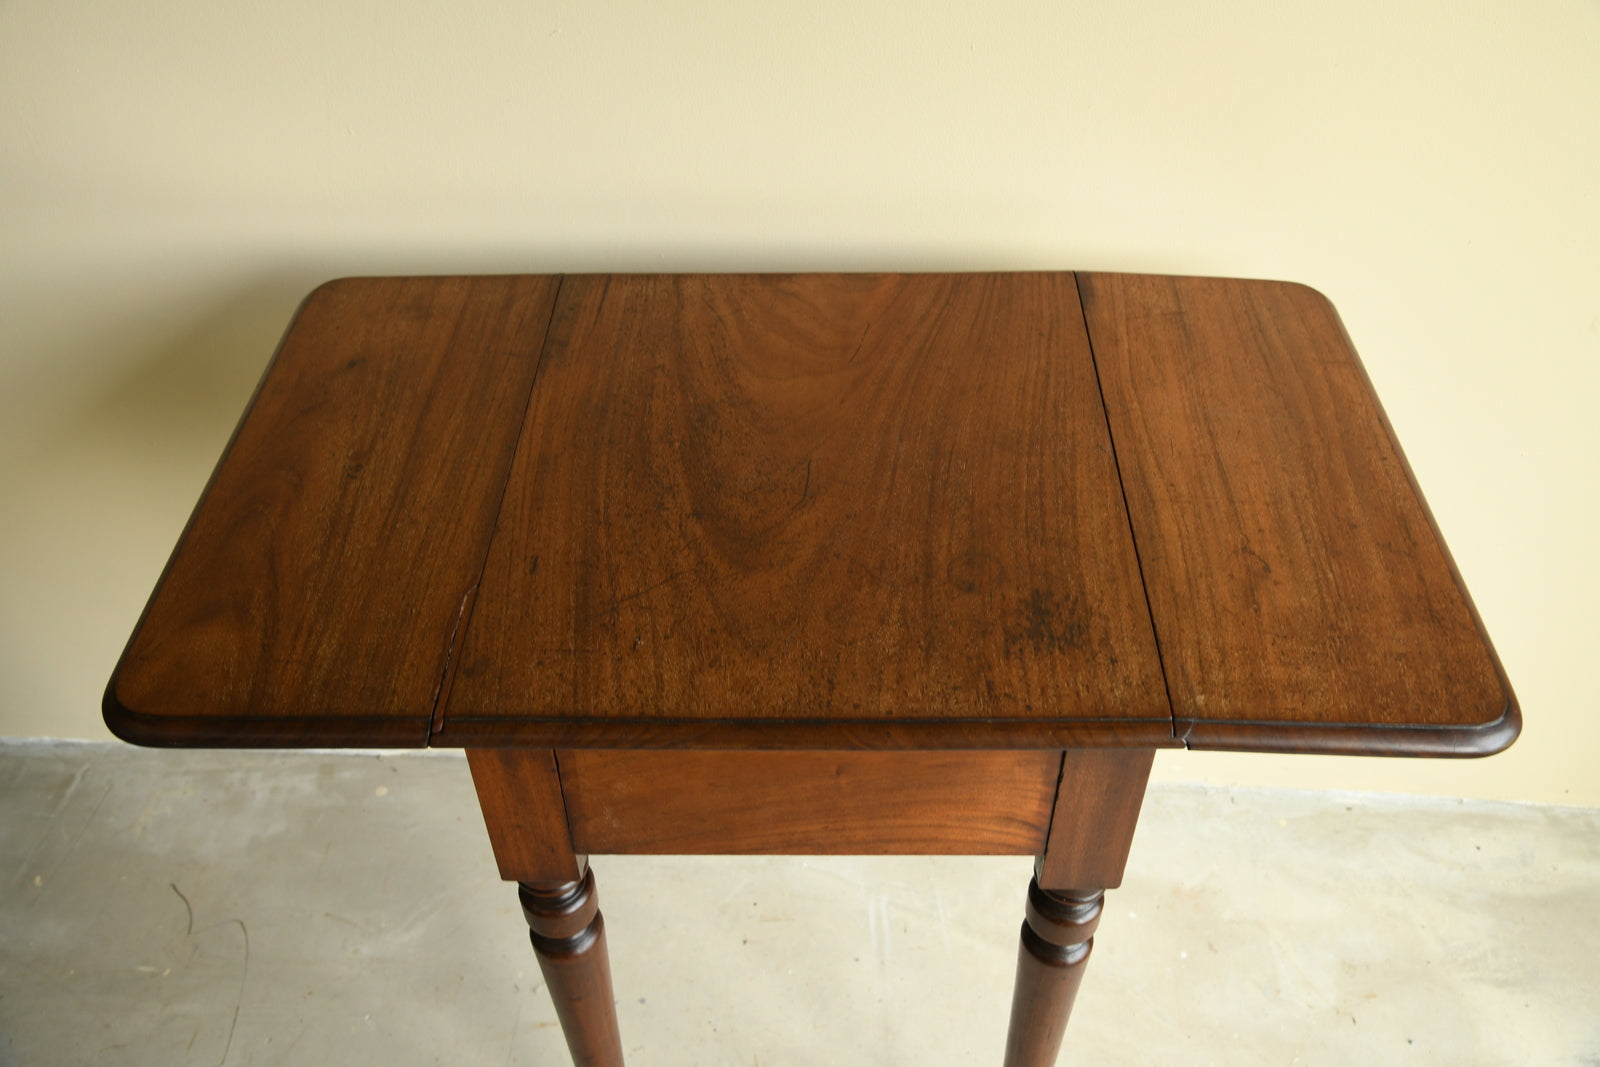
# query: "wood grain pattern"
1298 585
809 803
789 735
819 511
823 499
569 939
519 793
1096 809
1057 937
313 596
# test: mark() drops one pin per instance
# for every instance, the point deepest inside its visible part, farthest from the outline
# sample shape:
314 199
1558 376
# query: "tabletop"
815 511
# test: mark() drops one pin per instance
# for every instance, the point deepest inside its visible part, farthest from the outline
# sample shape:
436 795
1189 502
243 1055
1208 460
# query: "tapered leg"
1056 938
569 938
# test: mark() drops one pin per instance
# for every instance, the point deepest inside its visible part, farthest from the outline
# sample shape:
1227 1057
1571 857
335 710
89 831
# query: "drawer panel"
809 803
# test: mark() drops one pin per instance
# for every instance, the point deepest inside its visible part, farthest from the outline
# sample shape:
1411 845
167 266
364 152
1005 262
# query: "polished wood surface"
312 598
1302 596
810 803
519 793
1057 937
890 563
569 939
853 501
825 512
1096 809
1075 811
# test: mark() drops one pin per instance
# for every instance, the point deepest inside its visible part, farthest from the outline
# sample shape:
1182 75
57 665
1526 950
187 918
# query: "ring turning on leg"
1056 939
569 939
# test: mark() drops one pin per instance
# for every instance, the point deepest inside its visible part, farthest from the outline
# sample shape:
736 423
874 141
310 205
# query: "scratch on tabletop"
617 603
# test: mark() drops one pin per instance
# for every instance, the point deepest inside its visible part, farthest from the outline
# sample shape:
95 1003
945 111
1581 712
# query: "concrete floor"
231 908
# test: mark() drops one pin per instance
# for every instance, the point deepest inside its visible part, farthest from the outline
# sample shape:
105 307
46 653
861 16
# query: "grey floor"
233 908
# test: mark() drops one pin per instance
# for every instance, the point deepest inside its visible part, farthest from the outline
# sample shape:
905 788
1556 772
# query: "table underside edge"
814 735
207 731
1443 742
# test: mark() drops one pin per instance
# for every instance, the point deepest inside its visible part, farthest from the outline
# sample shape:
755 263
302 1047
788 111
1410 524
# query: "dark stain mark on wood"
1047 622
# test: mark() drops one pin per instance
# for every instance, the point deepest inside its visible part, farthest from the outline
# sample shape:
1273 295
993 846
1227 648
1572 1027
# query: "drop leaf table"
814 563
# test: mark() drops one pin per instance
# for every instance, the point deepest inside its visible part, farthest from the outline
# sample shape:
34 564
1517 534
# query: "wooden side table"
813 564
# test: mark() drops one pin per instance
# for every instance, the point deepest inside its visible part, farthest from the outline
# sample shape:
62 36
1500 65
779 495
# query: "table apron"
1076 809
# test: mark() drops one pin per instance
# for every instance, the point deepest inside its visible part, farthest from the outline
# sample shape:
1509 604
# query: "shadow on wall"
183 391
92 503
186 395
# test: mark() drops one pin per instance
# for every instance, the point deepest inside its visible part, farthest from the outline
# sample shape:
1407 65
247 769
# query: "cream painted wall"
175 174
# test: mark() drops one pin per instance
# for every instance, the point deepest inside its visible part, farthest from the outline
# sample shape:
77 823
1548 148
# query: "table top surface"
814 511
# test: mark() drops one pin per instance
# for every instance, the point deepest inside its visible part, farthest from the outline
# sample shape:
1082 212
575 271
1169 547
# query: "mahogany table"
814 564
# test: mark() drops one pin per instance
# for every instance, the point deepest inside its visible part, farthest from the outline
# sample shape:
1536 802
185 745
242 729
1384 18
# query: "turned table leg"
1056 939
542 844
569 938
523 809
1091 830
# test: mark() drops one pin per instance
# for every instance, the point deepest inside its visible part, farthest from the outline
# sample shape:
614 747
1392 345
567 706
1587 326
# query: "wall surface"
174 175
